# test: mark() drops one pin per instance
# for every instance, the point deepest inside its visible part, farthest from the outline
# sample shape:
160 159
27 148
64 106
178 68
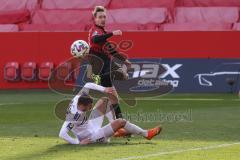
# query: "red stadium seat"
14 17
133 27
236 27
28 71
135 15
150 27
62 17
123 27
11 71
141 3
9 28
64 71
207 14
45 70
13 5
53 27
197 27
207 3
74 4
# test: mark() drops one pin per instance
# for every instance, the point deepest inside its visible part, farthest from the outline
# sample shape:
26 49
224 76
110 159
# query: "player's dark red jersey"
100 55
93 33
98 39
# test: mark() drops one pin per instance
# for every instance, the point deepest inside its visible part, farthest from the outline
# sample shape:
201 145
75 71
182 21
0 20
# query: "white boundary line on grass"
182 99
3 104
179 151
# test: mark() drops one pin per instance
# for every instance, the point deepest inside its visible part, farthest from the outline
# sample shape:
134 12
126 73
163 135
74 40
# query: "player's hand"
128 64
85 141
109 90
117 33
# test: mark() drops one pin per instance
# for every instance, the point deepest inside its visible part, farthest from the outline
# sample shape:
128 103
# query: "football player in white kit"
89 129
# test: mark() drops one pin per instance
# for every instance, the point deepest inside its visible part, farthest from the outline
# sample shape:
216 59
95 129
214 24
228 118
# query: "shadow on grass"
77 148
210 120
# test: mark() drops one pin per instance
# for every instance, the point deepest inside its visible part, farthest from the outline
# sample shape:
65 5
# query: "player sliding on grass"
103 70
89 129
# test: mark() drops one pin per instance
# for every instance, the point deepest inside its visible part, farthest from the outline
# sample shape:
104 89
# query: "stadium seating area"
31 71
129 15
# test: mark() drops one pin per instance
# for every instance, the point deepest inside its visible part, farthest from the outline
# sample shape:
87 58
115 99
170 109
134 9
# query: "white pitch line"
183 99
4 104
179 151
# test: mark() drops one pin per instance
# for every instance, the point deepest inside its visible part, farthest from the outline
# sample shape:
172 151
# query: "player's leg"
97 114
106 81
119 71
109 130
94 68
102 108
110 113
115 104
134 129
90 75
131 128
105 107
103 134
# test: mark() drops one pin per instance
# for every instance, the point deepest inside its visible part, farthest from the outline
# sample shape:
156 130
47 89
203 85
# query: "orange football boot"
153 132
120 133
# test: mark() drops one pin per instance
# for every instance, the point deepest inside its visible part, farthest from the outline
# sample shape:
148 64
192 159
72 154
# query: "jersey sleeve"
98 36
92 86
101 38
66 127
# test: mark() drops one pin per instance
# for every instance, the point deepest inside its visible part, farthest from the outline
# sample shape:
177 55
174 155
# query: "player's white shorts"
99 136
94 129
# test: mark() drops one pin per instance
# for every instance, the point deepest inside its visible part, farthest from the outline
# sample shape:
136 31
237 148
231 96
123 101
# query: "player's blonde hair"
98 9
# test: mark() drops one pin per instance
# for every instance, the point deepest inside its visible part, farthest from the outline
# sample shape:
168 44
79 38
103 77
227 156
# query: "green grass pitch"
196 127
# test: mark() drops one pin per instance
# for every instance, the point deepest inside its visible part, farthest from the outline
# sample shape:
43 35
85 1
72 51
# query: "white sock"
133 129
109 114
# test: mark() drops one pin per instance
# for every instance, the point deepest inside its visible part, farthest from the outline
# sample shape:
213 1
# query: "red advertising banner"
55 47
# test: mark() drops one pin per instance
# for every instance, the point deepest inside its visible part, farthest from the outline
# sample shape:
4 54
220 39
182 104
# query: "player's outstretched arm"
104 37
101 38
86 88
85 141
64 134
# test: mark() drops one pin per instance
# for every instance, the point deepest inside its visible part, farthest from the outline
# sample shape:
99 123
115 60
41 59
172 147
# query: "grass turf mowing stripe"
4 104
183 99
180 151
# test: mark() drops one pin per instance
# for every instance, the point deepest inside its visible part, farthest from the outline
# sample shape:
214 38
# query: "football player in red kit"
103 69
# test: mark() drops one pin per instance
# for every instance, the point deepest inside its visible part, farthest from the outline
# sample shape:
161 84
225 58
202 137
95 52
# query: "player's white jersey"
77 120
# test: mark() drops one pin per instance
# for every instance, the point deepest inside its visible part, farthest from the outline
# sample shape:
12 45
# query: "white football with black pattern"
80 48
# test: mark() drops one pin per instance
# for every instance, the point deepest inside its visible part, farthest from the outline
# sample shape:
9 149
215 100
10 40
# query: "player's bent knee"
118 123
122 122
102 104
104 100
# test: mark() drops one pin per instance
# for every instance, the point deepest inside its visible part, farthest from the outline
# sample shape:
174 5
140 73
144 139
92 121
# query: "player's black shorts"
105 75
106 81
102 65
